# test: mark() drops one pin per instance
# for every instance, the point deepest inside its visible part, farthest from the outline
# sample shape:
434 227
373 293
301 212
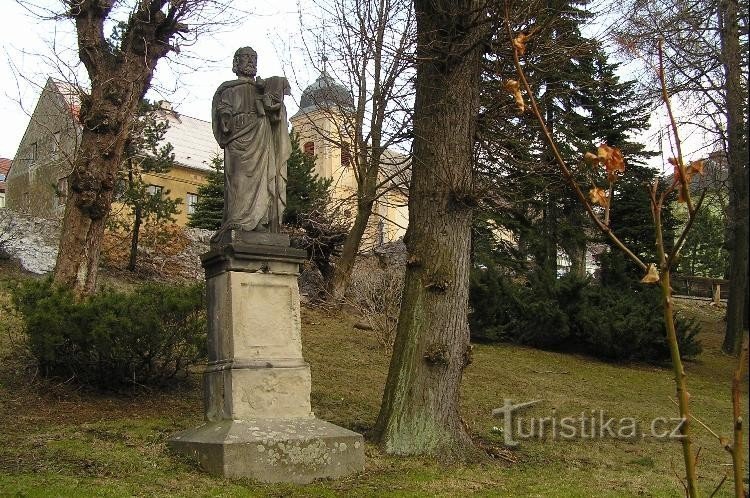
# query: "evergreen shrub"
575 315
113 339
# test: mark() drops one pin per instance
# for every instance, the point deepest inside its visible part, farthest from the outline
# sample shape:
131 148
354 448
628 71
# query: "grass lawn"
60 441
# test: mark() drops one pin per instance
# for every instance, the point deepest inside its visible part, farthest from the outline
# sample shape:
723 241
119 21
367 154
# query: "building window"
309 148
61 190
2 177
155 189
346 155
2 199
381 232
33 151
192 201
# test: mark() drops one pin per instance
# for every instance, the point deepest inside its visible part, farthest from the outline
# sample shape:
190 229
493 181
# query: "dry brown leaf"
591 159
514 88
651 276
612 159
696 167
599 196
519 43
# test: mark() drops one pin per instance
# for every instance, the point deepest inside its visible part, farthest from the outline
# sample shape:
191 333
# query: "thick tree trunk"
420 409
92 185
737 151
119 78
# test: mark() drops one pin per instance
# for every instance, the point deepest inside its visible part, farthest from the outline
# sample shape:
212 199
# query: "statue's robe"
256 148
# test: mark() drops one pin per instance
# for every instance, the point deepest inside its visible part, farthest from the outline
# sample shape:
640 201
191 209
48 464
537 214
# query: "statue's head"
245 62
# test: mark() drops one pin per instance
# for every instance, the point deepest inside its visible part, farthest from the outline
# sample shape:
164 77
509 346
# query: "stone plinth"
274 450
259 423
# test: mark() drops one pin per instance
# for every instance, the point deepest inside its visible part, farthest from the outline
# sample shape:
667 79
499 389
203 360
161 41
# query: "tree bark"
737 140
420 409
119 79
91 190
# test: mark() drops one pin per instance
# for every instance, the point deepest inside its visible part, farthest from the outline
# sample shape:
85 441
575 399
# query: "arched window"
309 148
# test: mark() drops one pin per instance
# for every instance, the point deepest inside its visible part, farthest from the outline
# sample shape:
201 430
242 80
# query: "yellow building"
194 148
321 125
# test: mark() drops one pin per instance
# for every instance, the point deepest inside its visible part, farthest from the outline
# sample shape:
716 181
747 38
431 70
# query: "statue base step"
273 450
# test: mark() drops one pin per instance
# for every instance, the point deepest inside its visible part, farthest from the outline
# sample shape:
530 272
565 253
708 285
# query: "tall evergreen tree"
584 104
209 209
536 205
305 190
616 111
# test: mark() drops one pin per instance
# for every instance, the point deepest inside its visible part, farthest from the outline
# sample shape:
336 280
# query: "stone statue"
249 122
259 420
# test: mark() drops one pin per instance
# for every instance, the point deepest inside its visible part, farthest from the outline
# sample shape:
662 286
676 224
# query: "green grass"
60 441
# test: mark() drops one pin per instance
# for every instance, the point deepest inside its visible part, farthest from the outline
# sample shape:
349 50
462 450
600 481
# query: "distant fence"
704 287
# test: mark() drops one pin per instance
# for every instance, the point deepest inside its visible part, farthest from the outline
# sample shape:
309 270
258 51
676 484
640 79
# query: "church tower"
323 126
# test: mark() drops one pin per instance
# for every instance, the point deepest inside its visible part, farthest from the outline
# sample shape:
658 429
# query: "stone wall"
33 242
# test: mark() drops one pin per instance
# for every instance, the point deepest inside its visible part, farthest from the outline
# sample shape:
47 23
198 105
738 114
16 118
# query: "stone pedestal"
259 423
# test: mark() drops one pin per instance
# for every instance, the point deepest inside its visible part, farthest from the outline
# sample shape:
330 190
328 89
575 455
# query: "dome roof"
325 92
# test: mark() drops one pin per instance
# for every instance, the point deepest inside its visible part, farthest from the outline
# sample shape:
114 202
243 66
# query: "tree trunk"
370 155
134 239
92 185
345 265
577 254
737 241
119 79
420 409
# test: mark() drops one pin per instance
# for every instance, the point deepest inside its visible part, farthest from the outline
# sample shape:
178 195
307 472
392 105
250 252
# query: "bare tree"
420 409
369 46
120 68
708 67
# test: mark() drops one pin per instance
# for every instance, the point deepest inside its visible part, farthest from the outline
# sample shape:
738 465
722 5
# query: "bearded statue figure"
249 122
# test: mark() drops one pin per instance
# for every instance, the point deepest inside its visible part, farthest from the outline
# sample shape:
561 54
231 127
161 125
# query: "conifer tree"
305 190
209 208
615 112
145 154
585 104
535 204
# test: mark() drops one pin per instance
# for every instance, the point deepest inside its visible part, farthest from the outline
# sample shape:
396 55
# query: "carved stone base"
257 384
275 450
258 391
